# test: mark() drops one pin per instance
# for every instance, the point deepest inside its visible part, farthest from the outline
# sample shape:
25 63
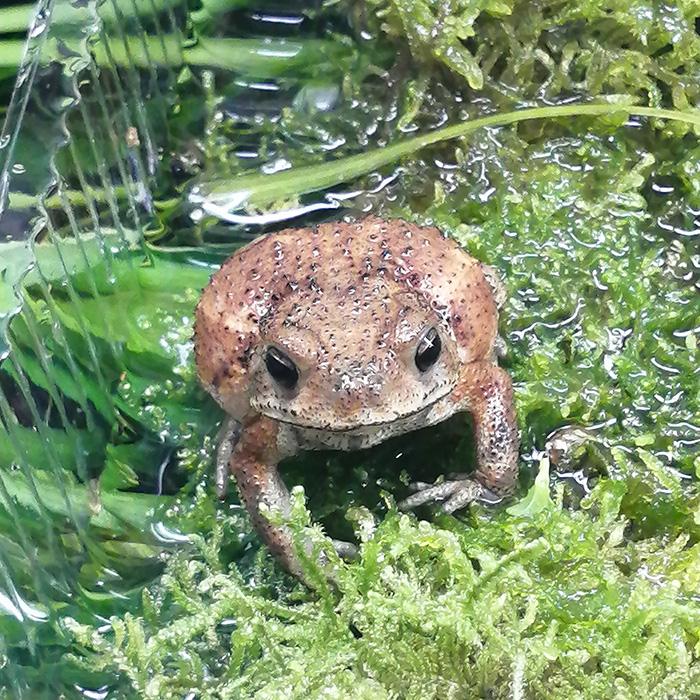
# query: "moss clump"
544 49
551 603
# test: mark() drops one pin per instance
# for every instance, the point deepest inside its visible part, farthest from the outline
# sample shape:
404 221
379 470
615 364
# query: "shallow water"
108 440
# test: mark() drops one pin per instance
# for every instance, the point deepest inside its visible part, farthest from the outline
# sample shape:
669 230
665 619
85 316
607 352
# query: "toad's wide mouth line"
359 427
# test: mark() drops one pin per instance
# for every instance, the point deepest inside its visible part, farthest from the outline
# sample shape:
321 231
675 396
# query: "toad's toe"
429 494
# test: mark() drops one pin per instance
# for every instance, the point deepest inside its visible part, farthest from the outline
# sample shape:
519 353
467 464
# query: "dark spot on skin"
219 377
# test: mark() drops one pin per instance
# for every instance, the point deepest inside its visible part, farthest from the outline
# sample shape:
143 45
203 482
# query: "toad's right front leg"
253 464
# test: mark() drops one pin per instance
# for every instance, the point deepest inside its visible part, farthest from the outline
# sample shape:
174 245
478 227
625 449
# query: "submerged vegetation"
121 571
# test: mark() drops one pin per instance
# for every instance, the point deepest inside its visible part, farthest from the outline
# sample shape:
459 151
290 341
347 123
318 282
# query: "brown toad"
341 335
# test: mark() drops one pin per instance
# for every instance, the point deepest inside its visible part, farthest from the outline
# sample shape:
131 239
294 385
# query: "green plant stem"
249 57
267 59
211 9
11 52
75 198
17 18
261 190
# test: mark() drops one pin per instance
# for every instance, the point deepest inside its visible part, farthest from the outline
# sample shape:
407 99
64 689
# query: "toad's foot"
453 495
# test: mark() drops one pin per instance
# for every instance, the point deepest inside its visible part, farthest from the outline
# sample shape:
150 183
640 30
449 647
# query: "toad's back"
339 276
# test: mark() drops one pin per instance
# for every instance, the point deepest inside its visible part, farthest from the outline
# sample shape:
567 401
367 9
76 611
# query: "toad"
341 335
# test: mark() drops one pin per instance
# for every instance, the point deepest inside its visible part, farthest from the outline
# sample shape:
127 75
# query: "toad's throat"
359 426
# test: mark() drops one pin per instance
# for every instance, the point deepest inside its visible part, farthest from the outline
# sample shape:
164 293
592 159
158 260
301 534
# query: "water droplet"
276 166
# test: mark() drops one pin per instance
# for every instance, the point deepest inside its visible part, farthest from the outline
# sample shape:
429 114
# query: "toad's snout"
359 385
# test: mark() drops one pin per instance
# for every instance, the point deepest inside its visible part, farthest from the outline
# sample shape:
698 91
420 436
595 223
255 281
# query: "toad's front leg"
485 391
253 463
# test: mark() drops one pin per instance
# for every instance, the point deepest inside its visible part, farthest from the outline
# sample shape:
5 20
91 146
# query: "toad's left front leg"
485 391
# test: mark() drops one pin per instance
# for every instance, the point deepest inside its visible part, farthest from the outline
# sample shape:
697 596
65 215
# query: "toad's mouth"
359 425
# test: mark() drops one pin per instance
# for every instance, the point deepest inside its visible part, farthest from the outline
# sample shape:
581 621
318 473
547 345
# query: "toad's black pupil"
428 350
281 368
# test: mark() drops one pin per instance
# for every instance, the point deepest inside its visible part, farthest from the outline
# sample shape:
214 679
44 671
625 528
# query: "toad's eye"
428 350
281 368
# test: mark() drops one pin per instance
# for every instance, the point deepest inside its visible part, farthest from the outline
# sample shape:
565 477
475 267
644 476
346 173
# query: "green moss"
552 604
521 50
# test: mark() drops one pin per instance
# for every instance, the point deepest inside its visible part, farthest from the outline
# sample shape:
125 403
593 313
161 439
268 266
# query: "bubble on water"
266 86
663 367
685 232
319 98
98 693
293 20
278 49
19 608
